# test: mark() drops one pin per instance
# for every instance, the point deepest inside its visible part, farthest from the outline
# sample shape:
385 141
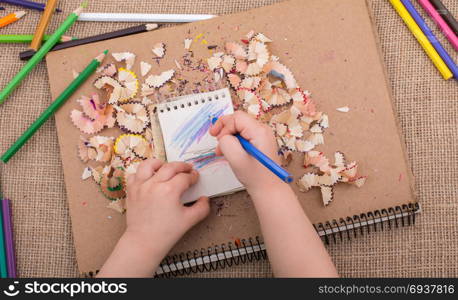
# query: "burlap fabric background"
426 105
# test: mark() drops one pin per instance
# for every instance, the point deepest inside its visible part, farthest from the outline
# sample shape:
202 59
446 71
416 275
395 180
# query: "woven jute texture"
426 105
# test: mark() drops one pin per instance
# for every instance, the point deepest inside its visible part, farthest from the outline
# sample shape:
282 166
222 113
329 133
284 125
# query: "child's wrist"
269 190
151 246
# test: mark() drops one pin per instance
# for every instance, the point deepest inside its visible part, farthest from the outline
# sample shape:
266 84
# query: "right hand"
250 172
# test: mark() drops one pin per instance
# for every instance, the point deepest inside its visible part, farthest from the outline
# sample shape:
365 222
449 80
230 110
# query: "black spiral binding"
254 249
251 249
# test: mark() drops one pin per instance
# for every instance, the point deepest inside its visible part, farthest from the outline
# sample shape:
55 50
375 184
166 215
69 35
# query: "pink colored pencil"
448 32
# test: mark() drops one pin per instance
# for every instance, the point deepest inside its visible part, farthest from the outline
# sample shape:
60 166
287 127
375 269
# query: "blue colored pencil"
262 158
28 4
431 37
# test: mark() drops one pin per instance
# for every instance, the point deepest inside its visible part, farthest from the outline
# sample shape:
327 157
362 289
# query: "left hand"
154 210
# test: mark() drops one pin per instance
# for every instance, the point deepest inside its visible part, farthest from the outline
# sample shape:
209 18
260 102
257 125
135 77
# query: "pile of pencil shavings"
113 158
110 159
268 91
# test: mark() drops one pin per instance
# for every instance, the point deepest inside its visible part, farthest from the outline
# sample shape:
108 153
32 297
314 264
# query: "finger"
232 150
241 123
130 179
223 123
169 170
147 168
182 181
218 151
220 124
198 211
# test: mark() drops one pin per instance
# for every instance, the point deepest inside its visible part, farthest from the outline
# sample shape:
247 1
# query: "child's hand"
249 171
154 211
156 219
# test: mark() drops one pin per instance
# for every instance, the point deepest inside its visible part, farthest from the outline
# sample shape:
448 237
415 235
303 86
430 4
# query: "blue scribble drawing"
193 129
205 158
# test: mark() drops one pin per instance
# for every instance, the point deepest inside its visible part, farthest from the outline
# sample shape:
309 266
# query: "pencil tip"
20 14
80 9
151 26
105 52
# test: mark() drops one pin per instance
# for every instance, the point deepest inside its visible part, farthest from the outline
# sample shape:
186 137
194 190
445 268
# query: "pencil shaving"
132 117
187 44
156 81
87 173
94 117
159 50
234 80
97 148
112 87
131 146
108 70
237 50
112 184
144 68
129 83
118 205
251 102
128 57
343 109
214 62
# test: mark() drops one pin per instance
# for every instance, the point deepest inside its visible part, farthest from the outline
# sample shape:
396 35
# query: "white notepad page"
185 122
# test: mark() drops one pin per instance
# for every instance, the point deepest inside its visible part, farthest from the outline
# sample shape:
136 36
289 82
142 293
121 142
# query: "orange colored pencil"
43 24
11 18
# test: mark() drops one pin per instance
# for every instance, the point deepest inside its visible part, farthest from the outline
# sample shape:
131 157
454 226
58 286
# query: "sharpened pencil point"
101 56
80 9
20 14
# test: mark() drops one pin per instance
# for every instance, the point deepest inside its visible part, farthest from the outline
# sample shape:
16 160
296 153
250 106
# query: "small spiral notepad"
185 122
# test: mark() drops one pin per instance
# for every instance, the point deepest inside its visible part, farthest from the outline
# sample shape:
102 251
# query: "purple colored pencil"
9 241
27 4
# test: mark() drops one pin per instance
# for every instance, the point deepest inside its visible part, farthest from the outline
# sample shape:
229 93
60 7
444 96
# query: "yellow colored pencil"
422 39
8 19
43 24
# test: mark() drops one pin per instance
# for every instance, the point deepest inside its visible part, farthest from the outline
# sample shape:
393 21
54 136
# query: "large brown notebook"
332 49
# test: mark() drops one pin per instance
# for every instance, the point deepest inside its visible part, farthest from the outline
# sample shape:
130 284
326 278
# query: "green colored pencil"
95 63
3 263
27 38
54 39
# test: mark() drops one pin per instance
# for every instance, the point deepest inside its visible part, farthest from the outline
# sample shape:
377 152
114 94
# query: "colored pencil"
9 240
156 18
422 39
3 261
43 24
11 18
25 55
55 105
448 32
27 4
55 38
262 158
27 38
446 14
431 37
